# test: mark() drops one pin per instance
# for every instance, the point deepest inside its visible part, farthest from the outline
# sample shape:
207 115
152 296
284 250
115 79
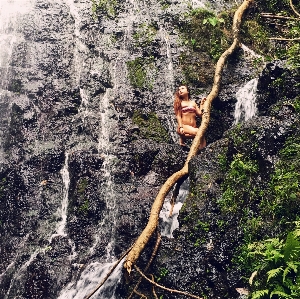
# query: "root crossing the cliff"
144 237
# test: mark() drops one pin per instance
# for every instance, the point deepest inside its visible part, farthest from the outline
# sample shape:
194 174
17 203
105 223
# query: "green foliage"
105 7
258 31
296 103
277 264
162 274
283 195
150 126
165 4
237 185
213 21
82 184
141 72
84 207
205 36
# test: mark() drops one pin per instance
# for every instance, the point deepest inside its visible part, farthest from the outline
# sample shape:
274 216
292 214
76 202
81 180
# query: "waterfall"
64 205
11 12
169 223
250 53
245 107
169 85
90 278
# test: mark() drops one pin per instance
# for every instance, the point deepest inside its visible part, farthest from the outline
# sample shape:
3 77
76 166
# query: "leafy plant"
205 36
277 264
237 184
162 273
213 21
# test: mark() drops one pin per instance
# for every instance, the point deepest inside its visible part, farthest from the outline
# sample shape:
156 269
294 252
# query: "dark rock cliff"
87 139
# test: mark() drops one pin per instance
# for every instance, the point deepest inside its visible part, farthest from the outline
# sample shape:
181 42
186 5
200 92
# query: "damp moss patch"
150 127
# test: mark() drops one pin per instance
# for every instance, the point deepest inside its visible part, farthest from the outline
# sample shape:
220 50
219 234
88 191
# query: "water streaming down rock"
169 223
66 180
90 278
75 97
246 102
11 12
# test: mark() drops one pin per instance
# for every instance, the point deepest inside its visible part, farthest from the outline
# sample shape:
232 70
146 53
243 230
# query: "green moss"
283 197
141 72
165 4
82 184
105 7
145 34
257 31
150 126
296 104
84 207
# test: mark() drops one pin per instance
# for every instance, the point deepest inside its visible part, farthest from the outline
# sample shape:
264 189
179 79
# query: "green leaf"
204 21
280 294
273 273
259 294
213 21
291 248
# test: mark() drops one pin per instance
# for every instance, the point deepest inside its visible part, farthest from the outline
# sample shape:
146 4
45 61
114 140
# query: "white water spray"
245 107
10 13
169 223
60 226
90 278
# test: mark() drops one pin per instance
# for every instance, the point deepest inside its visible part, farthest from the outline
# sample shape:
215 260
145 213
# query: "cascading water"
245 107
78 81
11 12
169 223
66 180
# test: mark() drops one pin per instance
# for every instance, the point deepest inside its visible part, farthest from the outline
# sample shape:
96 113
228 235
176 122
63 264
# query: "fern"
277 262
280 294
291 249
259 294
273 273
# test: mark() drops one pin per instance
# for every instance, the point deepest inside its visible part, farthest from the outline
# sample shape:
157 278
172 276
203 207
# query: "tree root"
158 240
284 39
109 273
165 288
140 294
294 9
153 288
144 237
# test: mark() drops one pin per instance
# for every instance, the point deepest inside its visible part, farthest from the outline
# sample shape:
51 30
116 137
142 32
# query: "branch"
158 240
140 294
143 239
108 274
153 287
282 38
265 15
294 9
164 288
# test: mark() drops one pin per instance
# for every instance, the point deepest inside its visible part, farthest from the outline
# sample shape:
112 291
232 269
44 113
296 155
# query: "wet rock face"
67 104
60 75
208 243
276 82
